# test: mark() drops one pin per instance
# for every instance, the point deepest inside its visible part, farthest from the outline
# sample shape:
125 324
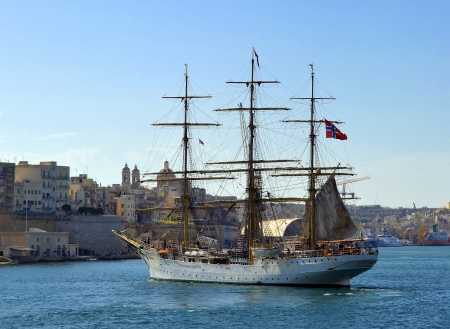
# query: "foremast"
185 197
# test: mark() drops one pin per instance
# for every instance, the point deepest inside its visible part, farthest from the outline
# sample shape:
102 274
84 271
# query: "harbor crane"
345 182
420 224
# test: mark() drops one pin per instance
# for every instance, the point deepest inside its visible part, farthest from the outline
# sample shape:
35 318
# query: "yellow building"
46 185
126 207
83 192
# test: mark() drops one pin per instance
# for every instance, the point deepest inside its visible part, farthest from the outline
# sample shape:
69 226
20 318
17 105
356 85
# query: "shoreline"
8 261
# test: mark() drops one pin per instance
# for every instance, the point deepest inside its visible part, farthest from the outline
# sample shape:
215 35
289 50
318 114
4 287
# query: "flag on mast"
257 58
201 142
333 132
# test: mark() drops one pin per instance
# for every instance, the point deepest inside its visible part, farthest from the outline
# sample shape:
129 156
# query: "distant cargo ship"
436 237
387 240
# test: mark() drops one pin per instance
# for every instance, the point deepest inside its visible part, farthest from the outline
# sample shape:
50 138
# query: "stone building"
34 244
7 186
83 192
48 181
135 178
126 179
125 207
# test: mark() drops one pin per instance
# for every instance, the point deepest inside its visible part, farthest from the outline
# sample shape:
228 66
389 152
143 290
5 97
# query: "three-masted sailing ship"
325 254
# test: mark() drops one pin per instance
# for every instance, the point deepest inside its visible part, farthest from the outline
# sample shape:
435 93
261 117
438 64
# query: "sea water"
409 287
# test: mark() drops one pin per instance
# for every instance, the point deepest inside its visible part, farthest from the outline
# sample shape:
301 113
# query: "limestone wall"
94 232
89 232
10 224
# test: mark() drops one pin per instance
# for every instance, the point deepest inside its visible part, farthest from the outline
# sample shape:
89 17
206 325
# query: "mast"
312 169
185 198
252 223
312 179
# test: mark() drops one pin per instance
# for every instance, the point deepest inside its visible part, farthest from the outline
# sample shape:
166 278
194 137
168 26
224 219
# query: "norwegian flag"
333 132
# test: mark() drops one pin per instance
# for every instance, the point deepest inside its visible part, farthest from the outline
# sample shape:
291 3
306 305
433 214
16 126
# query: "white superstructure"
387 240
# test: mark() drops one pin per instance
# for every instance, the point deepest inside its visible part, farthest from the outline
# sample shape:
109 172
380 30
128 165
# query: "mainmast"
186 197
252 224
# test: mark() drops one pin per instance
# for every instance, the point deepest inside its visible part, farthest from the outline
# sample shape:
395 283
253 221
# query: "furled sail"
333 221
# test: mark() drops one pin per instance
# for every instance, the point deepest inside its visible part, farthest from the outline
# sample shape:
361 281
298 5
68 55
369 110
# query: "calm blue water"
409 287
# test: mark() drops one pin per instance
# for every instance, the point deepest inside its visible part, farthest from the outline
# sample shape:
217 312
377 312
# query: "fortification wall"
94 232
89 232
9 223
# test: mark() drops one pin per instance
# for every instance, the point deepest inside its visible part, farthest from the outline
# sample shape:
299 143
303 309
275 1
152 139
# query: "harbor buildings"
7 186
34 243
41 188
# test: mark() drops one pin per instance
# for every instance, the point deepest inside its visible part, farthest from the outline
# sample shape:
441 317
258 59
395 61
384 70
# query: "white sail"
333 221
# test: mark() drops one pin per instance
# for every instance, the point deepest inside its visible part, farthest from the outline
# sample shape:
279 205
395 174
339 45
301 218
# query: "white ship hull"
316 271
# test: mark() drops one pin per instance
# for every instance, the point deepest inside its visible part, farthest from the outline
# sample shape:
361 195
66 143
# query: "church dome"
126 168
166 168
135 170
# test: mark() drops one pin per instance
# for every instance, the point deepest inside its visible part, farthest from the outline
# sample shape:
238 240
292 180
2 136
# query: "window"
121 206
28 191
121 214
48 239
32 192
24 202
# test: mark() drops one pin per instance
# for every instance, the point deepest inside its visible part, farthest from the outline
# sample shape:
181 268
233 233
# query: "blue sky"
81 82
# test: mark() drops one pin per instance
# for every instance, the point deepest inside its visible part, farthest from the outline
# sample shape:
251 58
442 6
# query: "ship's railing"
331 252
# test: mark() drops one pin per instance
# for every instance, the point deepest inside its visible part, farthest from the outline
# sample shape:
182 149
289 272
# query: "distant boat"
387 240
436 237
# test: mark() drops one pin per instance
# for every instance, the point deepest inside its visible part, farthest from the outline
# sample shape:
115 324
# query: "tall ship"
436 237
322 254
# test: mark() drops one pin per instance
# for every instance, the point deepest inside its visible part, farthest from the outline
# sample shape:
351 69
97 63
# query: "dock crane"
343 183
420 224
